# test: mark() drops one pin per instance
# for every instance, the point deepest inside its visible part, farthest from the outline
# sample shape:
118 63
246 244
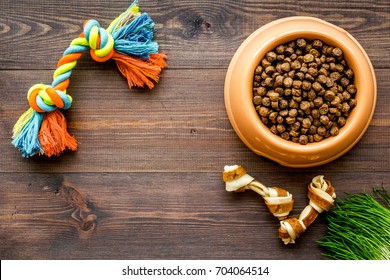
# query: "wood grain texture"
146 180
179 126
151 215
195 34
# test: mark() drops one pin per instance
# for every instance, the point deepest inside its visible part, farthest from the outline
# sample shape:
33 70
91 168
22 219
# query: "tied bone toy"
321 194
127 40
280 202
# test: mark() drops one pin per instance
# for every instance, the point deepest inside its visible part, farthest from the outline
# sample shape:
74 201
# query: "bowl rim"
241 70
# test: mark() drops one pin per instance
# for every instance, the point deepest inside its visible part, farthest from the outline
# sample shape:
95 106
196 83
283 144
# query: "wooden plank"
178 126
154 215
195 34
146 181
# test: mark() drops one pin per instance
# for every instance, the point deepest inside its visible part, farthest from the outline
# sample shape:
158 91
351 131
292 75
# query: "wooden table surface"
146 180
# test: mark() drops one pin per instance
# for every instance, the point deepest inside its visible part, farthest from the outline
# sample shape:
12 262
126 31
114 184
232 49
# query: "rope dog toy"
128 40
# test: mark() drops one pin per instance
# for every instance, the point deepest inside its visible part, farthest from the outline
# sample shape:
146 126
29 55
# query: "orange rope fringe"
140 72
53 136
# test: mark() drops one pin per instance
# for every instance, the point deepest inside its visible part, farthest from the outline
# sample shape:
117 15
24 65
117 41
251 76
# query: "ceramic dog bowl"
245 119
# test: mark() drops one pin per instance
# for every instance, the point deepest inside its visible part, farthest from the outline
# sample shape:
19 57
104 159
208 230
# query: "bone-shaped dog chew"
321 194
280 202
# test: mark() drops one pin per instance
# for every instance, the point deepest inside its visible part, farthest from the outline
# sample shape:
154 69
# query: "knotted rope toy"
280 202
128 40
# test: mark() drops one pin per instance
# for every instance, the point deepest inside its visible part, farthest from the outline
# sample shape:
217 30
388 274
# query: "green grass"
359 227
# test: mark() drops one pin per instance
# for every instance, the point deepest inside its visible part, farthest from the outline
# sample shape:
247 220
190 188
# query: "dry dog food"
304 90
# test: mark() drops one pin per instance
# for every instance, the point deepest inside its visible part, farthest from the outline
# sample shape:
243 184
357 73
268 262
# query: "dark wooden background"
146 181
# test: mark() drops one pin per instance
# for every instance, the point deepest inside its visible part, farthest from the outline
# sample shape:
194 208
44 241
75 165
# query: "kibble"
315 53
278 81
270 56
289 51
257 100
336 101
334 131
306 85
303 140
323 109
337 52
341 121
329 95
285 135
321 79
308 58
324 120
300 75
295 126
351 89
352 103
306 123
287 82
304 91
272 117
305 105
273 96
297 84
261 91
265 62
317 138
269 70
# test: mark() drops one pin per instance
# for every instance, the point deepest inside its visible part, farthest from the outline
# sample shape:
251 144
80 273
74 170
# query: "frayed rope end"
53 135
136 55
138 71
42 133
25 133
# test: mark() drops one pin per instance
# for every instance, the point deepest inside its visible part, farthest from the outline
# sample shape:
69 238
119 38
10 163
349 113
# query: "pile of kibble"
303 91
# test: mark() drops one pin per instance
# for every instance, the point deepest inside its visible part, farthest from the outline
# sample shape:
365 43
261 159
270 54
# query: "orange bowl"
246 121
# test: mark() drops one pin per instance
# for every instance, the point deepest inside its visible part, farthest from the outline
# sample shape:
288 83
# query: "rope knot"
42 129
43 98
100 41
